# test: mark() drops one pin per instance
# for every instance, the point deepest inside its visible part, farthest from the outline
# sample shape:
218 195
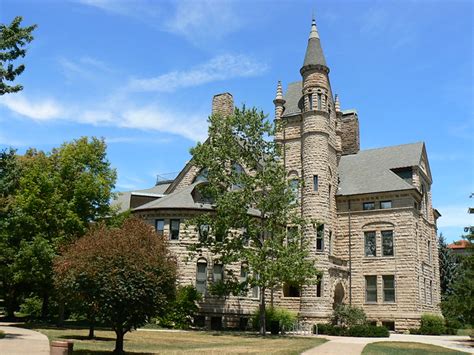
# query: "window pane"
202 175
386 204
174 229
310 101
201 277
203 231
370 244
368 206
315 182
217 273
160 226
388 288
387 243
371 288
319 286
294 187
320 237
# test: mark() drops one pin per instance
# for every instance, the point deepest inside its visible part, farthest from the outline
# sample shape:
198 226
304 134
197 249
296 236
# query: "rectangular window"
315 183
319 102
431 292
201 277
370 244
295 189
160 226
203 232
388 288
424 291
329 195
244 273
366 206
387 243
217 272
330 242
255 289
320 238
371 289
174 229
385 204
319 288
310 102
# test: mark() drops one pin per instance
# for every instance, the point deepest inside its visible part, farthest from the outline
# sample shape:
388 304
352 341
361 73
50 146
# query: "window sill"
291 297
370 303
389 302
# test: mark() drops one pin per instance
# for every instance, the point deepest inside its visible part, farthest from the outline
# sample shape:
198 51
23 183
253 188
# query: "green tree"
447 266
13 38
52 200
126 274
253 206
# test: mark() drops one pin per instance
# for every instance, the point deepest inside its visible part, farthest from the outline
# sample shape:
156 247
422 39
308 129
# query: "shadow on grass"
86 338
100 352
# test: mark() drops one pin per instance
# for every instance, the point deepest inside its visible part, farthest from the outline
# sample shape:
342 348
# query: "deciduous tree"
126 274
253 207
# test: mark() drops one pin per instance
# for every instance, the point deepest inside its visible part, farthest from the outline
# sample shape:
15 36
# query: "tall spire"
314 53
279 93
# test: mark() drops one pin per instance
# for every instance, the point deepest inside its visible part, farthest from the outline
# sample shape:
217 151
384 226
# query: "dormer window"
202 175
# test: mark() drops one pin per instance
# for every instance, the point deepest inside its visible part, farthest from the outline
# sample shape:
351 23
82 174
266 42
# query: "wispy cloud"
455 216
192 126
139 9
40 110
84 68
219 68
203 20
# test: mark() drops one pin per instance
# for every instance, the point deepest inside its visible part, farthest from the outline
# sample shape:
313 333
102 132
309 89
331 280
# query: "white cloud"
455 216
40 110
219 68
84 68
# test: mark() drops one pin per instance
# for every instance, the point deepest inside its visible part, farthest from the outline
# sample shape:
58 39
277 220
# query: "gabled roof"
182 199
370 171
122 201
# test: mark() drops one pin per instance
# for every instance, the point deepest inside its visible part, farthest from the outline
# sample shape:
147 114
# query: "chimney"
223 104
350 140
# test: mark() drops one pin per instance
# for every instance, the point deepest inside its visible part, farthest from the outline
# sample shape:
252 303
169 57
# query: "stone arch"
339 295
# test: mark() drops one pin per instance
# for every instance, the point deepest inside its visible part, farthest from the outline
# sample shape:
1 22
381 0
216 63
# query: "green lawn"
167 342
405 348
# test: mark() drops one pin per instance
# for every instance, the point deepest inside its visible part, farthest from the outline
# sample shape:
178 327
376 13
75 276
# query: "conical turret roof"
314 52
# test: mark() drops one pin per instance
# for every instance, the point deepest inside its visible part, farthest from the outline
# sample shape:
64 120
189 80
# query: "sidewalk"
22 341
354 346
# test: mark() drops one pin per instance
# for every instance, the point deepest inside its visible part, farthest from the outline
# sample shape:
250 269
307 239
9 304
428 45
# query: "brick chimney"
223 104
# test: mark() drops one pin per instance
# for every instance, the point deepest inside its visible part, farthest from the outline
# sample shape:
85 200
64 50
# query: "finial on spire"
279 94
314 30
337 104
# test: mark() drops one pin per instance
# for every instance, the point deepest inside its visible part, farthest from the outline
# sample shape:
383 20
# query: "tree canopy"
125 275
51 198
13 39
254 207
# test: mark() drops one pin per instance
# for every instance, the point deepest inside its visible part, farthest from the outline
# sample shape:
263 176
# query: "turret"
279 101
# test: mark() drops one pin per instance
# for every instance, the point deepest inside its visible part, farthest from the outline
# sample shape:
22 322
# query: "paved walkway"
22 341
354 346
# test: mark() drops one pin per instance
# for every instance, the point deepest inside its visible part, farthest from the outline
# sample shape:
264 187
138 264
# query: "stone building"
376 244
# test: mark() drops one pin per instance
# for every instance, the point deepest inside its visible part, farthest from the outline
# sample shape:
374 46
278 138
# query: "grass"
466 331
195 342
405 348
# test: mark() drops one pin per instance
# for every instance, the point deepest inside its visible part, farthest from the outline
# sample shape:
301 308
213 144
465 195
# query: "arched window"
201 276
201 176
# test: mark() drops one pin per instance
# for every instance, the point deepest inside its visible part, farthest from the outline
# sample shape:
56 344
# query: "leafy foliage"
49 199
31 306
13 38
348 316
285 318
447 266
432 324
126 275
180 312
253 205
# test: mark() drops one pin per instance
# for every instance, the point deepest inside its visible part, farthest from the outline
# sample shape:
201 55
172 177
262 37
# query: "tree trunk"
263 323
119 341
91 329
45 306
61 313
11 303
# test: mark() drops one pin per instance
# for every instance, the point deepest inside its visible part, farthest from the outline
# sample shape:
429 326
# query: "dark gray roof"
292 97
182 199
122 200
369 171
314 53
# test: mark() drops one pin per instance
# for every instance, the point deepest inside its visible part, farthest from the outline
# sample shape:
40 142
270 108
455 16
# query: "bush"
181 311
371 331
2 334
32 307
348 316
366 330
285 318
432 324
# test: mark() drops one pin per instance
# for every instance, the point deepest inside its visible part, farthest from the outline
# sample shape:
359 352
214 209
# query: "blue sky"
142 73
